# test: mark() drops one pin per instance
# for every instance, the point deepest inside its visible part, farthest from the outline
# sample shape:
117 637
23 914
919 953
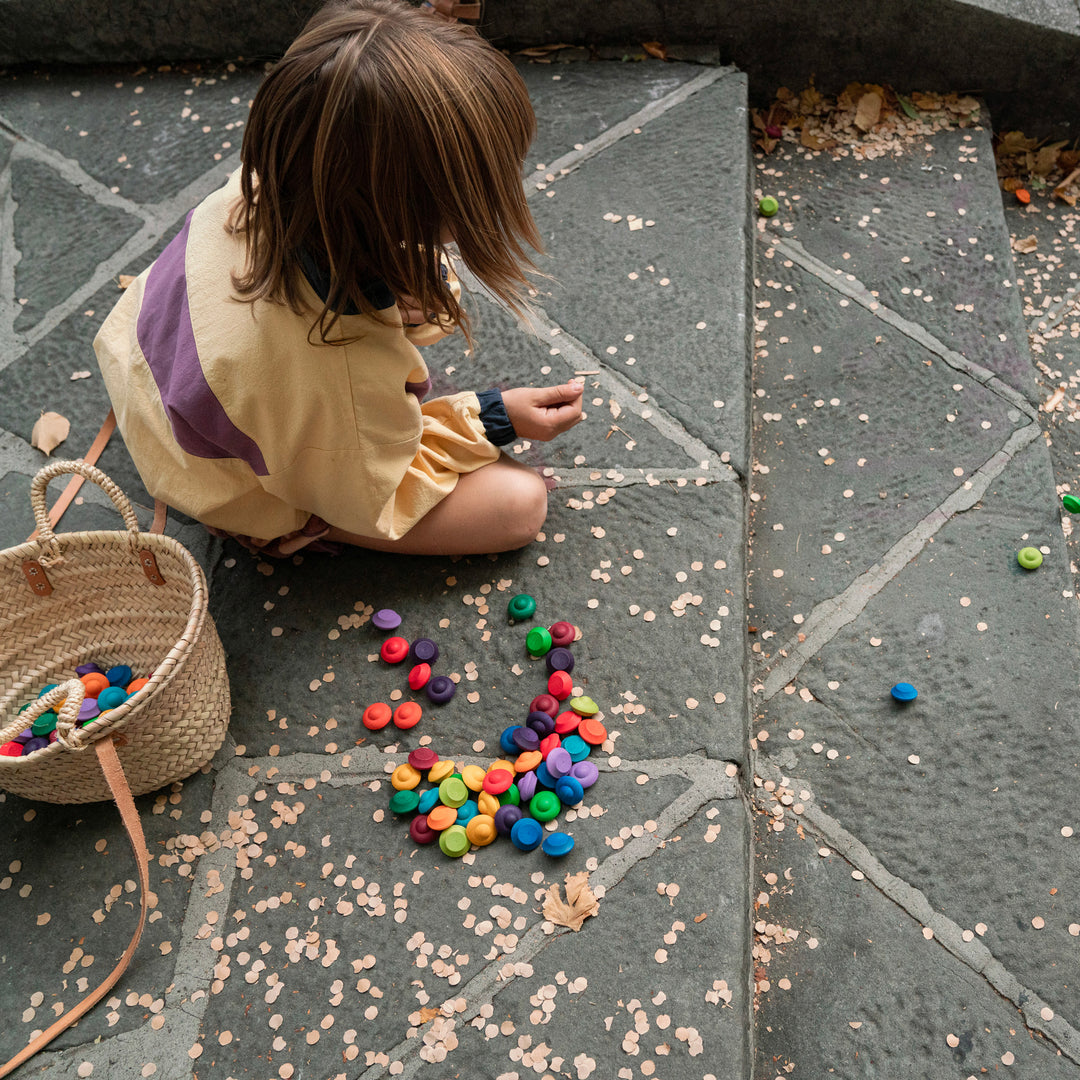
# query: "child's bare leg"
499 507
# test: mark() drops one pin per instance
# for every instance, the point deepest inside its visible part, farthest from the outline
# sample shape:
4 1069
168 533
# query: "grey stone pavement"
813 447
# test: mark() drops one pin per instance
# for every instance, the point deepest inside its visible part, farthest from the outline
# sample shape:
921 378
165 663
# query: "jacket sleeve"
452 442
384 490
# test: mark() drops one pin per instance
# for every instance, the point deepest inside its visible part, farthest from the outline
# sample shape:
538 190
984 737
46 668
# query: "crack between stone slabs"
579 359
709 781
575 478
857 291
830 616
9 259
566 164
973 954
195 960
157 219
11 133
70 170
17 455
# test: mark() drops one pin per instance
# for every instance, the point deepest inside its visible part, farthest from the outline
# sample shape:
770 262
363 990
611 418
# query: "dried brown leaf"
1069 159
1014 142
868 112
813 141
50 430
926 102
1046 160
580 902
124 280
811 100
963 106
656 49
543 50
1025 245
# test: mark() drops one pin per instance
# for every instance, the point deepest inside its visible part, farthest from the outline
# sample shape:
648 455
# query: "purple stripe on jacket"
199 423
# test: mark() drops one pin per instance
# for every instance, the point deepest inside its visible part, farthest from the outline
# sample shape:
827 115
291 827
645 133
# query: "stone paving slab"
918 229
678 286
78 933
578 102
50 207
839 390
488 951
276 622
643 550
620 435
143 132
621 1012
992 752
942 814
885 1000
1047 282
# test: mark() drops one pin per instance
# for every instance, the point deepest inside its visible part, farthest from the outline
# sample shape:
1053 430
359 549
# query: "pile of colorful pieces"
421 654
105 690
545 767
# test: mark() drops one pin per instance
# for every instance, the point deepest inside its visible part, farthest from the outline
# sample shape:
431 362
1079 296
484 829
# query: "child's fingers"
567 393
563 416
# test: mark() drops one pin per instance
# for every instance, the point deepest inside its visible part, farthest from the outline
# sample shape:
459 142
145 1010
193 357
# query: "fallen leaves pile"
1038 165
867 120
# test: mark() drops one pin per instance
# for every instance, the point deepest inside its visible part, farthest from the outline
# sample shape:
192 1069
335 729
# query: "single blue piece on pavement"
904 691
558 844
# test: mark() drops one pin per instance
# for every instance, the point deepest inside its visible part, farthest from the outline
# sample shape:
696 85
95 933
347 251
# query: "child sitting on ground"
264 370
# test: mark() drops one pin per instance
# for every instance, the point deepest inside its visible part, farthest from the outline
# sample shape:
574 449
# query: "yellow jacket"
233 417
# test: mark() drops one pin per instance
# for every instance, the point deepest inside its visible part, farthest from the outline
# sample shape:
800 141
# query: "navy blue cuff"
497 426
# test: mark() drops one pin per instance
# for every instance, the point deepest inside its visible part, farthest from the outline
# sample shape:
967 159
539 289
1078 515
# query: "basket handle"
68 731
40 483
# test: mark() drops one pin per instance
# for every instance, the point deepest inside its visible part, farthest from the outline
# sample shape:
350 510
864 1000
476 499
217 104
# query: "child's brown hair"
381 131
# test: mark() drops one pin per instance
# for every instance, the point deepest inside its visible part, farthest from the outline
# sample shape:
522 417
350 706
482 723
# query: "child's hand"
543 412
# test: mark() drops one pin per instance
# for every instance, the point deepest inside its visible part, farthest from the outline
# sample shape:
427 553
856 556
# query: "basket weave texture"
104 608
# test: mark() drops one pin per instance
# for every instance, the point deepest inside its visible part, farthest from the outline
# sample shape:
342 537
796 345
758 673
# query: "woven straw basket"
111 598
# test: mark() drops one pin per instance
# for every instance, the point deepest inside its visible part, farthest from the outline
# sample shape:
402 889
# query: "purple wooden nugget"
386 619
560 660
506 817
585 772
